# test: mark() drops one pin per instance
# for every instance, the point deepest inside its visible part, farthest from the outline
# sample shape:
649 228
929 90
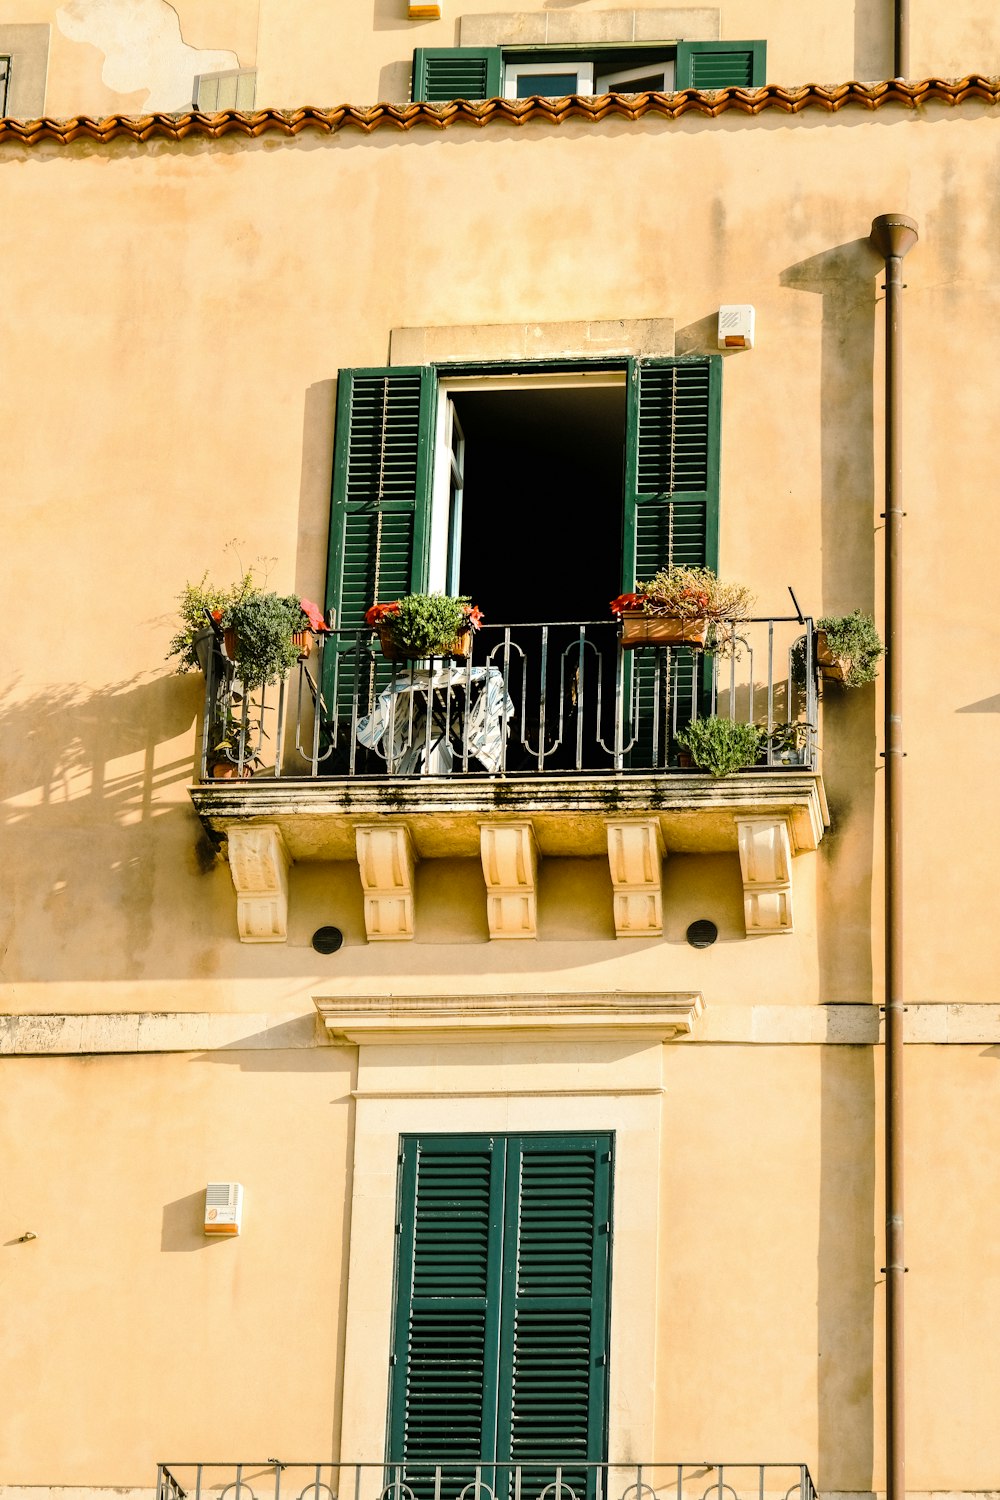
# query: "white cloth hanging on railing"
398 728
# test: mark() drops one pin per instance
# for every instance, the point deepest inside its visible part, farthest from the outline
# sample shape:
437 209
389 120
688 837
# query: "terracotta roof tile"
702 102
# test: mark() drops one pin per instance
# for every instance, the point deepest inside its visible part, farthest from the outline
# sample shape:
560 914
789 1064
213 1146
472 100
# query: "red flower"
474 616
314 615
380 612
625 601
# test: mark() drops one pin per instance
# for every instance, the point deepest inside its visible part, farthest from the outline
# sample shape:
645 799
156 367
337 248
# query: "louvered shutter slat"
380 510
441 74
552 1387
671 518
721 65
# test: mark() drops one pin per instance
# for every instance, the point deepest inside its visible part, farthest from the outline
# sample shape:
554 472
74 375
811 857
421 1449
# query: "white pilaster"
510 865
258 863
386 861
766 866
636 854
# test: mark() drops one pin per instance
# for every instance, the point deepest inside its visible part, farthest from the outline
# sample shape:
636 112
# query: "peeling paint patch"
143 49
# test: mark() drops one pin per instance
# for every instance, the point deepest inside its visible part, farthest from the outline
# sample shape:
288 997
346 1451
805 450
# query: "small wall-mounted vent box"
736 326
223 1207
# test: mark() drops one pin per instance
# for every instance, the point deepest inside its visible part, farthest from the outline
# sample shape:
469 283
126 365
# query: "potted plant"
267 633
421 625
787 741
721 746
849 648
198 605
682 606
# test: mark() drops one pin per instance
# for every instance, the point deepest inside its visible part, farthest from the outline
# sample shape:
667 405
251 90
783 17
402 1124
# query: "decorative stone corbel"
636 854
386 861
510 865
258 863
423 12
766 865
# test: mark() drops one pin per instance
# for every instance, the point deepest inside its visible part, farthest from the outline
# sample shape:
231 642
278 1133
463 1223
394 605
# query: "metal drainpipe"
892 235
901 47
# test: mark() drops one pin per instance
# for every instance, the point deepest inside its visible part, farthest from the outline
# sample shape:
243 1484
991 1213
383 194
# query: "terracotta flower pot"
304 640
229 642
640 629
831 665
230 771
392 650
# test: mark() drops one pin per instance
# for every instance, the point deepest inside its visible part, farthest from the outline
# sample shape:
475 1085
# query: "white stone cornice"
459 1018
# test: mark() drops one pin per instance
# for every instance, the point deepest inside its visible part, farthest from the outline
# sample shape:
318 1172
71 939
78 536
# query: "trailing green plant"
263 625
195 603
721 746
855 644
425 624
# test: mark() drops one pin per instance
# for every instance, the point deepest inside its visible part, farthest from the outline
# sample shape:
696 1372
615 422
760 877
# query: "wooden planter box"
392 650
640 629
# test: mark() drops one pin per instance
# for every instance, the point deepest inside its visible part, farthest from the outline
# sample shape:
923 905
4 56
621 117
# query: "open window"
541 493
445 73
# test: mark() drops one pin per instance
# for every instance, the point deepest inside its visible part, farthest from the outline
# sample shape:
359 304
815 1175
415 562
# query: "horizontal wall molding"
125 1033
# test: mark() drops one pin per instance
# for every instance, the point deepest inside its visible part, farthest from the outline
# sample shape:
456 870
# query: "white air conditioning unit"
736 326
223 1207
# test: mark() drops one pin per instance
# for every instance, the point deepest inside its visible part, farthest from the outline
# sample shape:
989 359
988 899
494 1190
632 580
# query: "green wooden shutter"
554 1328
450 1227
379 524
720 65
501 1320
444 73
671 517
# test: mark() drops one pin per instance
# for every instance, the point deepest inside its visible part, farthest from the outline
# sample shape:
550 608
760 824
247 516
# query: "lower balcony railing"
530 700
273 1479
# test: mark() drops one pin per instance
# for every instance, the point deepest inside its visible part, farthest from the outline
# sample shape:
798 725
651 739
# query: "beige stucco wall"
172 386
188 355
128 1332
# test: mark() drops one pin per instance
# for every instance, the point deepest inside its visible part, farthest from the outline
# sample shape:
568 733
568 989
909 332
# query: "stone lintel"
699 23
609 337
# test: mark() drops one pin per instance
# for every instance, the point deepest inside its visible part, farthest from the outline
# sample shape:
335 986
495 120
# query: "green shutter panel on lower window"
379 522
671 518
552 1406
445 1347
720 65
444 73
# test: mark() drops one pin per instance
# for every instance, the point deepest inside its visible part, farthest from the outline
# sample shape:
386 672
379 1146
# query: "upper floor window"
4 79
444 73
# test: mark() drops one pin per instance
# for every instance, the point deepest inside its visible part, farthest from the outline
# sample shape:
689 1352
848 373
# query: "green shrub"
856 644
721 746
427 624
193 602
263 624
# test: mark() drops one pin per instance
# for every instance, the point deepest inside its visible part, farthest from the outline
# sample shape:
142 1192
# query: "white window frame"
664 65
584 70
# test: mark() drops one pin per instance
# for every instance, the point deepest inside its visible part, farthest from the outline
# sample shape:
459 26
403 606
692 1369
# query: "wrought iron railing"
273 1479
531 700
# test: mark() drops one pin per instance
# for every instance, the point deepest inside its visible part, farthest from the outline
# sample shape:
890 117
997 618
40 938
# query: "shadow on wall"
845 278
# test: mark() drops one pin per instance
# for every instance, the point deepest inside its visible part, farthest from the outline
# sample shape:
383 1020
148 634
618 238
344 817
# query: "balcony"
550 740
453 1480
